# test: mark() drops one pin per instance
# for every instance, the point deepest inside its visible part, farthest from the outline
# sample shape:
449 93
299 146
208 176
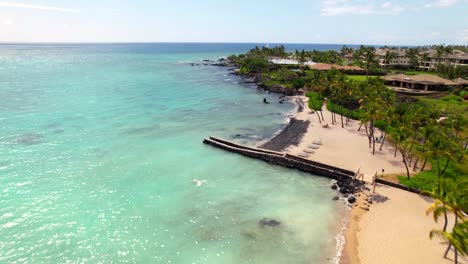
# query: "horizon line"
209 42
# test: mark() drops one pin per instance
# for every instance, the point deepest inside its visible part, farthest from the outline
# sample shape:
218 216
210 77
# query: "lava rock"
334 187
336 198
269 222
351 199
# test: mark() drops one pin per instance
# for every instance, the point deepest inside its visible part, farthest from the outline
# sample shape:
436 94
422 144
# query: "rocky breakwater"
349 189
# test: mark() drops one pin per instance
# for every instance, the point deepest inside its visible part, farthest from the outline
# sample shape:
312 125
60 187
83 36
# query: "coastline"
291 136
372 233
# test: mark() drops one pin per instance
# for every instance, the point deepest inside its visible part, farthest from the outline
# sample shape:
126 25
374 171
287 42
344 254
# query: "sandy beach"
345 147
394 230
395 227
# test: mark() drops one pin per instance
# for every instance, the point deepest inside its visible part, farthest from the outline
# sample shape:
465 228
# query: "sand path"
345 147
396 230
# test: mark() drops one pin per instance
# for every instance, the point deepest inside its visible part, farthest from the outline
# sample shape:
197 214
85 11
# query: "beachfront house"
398 60
430 60
281 61
418 84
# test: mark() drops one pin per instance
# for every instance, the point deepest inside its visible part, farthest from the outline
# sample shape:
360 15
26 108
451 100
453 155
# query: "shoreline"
371 232
291 136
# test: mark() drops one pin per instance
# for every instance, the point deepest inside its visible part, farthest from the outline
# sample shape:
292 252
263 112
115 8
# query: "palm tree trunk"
368 136
315 110
461 156
396 148
373 146
415 164
360 126
406 164
331 112
438 173
342 123
424 165
445 168
383 141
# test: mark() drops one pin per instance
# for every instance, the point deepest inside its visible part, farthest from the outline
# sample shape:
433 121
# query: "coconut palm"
453 198
458 238
389 55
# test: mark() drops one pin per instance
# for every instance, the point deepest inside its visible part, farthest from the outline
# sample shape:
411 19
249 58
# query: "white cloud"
441 3
463 36
370 7
9 21
37 7
386 5
359 7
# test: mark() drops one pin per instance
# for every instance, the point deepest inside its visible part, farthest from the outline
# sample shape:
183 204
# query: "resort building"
280 61
399 58
430 60
418 84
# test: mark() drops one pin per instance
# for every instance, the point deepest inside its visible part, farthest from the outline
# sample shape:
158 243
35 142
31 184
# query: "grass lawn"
447 106
428 180
359 78
414 72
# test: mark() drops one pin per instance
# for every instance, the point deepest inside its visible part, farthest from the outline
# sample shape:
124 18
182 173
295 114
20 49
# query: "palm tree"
452 198
458 238
412 55
389 55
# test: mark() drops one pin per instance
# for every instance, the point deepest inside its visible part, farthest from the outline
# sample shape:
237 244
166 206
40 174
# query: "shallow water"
99 146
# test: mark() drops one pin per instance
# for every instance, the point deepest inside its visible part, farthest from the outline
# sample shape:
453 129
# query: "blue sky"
392 22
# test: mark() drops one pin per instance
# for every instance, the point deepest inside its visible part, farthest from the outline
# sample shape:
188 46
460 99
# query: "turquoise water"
99 146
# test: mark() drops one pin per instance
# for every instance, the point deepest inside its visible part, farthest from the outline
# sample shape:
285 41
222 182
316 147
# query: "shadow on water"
28 139
142 130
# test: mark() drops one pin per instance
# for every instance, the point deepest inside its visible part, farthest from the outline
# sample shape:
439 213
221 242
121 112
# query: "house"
399 59
418 84
280 61
430 61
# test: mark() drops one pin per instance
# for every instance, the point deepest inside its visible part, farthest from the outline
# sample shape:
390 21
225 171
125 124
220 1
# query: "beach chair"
303 155
317 142
314 147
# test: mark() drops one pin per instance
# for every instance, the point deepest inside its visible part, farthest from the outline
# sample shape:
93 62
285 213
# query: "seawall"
282 159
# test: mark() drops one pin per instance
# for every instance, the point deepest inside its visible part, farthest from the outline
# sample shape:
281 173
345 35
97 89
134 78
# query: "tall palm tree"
453 197
458 238
389 55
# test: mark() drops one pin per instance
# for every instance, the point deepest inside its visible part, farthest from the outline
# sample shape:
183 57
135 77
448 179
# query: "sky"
377 22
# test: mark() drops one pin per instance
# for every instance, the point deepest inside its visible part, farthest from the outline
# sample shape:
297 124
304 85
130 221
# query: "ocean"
100 145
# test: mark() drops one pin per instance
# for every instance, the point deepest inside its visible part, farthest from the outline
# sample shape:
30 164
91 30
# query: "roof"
326 67
461 81
421 78
284 61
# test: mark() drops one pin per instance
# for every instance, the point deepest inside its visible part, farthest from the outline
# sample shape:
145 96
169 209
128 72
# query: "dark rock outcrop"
269 222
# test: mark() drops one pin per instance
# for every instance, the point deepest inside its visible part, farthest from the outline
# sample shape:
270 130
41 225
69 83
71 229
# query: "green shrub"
315 101
353 114
425 181
464 95
428 180
452 97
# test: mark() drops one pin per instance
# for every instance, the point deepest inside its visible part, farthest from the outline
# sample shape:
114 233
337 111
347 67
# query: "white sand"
397 231
346 147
